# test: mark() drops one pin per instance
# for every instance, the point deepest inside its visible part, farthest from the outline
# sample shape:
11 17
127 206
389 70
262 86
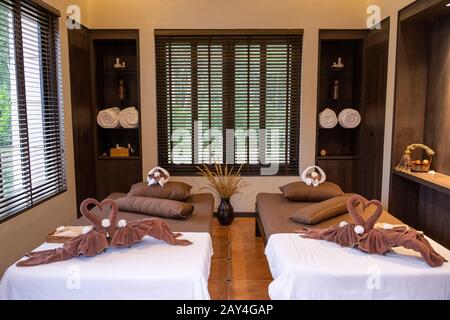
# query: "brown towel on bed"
364 236
95 241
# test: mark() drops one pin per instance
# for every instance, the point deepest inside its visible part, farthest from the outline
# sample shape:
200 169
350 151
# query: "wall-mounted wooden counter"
422 201
438 181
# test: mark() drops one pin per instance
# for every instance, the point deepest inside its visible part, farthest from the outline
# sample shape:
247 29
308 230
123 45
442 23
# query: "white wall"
310 15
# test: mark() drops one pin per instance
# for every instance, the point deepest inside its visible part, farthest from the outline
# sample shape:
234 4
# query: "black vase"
225 212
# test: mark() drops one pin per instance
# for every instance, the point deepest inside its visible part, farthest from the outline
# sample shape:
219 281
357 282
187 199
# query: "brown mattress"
200 221
275 212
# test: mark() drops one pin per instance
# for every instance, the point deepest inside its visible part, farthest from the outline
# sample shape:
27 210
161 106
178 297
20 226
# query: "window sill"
15 214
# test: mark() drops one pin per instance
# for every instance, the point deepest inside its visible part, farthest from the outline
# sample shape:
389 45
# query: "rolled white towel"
328 119
349 118
129 118
108 118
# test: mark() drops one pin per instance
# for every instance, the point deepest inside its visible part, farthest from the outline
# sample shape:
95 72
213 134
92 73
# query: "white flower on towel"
343 224
87 229
359 229
122 223
106 223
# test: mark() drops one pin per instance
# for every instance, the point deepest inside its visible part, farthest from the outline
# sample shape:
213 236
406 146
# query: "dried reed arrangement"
224 181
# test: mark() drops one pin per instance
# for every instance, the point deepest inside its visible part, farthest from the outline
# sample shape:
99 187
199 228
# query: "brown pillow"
172 190
321 211
299 191
163 208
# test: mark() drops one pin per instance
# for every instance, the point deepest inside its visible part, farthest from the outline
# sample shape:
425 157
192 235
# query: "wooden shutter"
32 166
245 82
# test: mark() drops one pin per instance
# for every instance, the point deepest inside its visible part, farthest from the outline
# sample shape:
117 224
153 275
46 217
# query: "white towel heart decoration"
158 175
311 178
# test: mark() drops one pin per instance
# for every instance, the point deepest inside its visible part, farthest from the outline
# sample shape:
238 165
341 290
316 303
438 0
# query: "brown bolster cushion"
163 208
321 211
172 190
300 192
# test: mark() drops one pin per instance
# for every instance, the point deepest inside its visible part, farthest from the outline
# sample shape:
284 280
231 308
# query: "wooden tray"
68 233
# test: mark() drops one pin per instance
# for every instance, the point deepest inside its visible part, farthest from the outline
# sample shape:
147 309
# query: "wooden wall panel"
434 215
117 175
341 172
82 115
411 87
437 125
374 113
404 200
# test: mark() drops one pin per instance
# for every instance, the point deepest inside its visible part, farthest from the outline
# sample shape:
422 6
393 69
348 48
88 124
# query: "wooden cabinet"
422 115
94 87
117 175
354 157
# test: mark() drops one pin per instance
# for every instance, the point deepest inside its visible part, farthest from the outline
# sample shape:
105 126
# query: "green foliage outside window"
5 103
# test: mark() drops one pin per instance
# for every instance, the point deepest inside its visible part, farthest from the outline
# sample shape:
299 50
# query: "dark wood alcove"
354 156
422 115
94 83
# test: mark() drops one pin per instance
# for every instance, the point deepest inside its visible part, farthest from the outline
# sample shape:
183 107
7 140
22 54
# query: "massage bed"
312 269
151 269
200 221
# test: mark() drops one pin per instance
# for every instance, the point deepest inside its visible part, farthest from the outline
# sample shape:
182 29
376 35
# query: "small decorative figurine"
338 65
119 65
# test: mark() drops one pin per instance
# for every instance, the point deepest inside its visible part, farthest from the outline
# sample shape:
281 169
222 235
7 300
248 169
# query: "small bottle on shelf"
336 90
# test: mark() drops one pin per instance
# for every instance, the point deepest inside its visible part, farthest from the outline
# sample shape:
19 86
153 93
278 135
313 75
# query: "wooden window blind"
230 99
32 167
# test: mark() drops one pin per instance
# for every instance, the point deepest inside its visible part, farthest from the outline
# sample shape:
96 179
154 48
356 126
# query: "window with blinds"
229 98
32 165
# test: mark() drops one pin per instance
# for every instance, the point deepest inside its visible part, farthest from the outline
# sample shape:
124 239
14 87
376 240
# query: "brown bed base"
259 228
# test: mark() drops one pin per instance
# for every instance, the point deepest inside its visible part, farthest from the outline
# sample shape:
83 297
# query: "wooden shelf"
120 71
338 127
346 72
118 158
439 182
338 158
118 128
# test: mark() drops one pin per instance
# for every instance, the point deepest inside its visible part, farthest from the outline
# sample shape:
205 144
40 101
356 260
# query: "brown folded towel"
364 236
95 240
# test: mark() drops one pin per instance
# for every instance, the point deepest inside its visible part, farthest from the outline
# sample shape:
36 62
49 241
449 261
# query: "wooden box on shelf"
119 152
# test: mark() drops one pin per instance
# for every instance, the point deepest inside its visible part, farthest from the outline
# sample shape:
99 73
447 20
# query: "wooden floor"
239 269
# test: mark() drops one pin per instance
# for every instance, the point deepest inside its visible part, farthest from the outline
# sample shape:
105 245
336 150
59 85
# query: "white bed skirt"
151 269
306 269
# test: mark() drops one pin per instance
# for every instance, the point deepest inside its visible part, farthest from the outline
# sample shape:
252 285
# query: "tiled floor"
239 267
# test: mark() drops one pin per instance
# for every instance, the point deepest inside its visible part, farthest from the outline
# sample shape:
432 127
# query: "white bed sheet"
310 269
151 269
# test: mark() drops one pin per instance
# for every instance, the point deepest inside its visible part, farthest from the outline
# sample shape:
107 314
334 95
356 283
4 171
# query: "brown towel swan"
95 239
364 236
